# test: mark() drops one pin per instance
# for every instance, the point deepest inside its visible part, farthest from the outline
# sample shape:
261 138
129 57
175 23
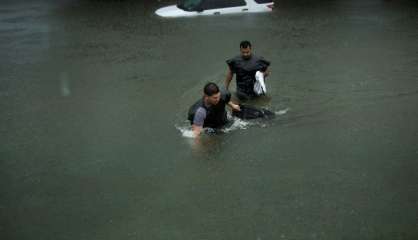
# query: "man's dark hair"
210 89
245 44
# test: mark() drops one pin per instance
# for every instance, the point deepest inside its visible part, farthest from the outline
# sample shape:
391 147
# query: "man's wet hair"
245 44
211 89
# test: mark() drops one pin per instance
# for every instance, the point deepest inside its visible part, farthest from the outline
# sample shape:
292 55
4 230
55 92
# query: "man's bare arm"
233 106
196 130
228 78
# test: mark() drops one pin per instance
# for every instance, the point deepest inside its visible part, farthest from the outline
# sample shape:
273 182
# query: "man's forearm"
196 130
233 106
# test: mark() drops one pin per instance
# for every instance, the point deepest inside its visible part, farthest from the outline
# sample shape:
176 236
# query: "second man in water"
245 66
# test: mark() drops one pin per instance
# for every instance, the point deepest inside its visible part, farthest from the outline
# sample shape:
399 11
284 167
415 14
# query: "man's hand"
234 107
266 73
196 130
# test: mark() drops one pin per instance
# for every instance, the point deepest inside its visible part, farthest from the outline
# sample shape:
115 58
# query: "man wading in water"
209 112
245 67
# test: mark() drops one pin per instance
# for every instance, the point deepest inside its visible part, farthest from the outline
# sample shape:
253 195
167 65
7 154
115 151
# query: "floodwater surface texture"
94 139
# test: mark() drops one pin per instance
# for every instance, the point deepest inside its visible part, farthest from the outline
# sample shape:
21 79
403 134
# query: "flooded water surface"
95 143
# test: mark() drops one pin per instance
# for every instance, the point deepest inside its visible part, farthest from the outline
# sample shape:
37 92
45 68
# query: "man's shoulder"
236 58
260 60
201 110
257 57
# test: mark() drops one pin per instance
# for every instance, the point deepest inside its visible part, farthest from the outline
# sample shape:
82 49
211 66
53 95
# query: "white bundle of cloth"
259 85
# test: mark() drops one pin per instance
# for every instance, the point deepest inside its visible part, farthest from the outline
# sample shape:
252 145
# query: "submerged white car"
190 8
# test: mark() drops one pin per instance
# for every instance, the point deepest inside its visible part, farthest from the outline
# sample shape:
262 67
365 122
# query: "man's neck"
206 103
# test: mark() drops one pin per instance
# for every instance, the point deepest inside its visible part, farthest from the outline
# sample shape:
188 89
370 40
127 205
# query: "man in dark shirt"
245 67
209 112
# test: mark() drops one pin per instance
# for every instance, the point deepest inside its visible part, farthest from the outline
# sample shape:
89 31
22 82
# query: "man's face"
246 52
214 99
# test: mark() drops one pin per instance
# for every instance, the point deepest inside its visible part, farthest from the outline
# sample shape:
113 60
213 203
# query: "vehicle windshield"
189 5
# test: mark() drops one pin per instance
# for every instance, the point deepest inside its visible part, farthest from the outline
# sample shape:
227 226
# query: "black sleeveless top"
216 115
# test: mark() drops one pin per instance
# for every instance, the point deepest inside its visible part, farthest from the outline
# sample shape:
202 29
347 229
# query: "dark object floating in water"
250 112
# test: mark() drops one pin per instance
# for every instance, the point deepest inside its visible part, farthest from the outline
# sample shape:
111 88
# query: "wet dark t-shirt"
210 116
245 70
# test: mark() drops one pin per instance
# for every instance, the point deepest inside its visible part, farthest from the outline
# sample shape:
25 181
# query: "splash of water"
282 112
237 124
186 132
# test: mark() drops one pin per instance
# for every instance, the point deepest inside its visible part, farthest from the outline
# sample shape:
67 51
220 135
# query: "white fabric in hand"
259 85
